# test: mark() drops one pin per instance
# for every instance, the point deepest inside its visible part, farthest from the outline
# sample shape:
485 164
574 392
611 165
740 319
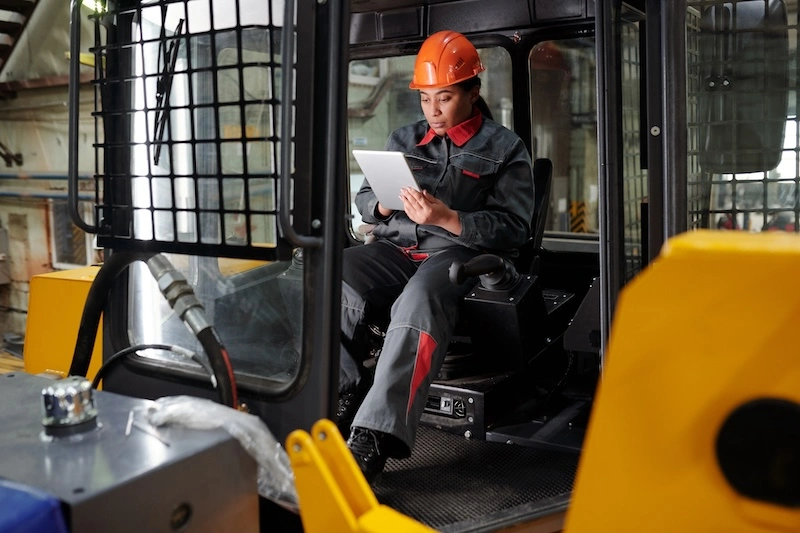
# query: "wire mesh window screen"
190 95
743 151
634 177
698 192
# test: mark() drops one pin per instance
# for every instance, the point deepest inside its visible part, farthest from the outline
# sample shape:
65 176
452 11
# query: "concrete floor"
10 363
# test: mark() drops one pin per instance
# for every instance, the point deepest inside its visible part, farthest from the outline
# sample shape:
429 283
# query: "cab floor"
451 483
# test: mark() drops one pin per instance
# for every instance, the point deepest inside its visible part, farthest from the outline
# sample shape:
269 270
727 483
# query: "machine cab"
224 138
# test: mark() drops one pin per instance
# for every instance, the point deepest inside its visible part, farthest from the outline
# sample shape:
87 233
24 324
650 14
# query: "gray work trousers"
380 282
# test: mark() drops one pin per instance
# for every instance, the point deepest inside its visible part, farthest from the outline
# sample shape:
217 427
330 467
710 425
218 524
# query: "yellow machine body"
55 308
710 325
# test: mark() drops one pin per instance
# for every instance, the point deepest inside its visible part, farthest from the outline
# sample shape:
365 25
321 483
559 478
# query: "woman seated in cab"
477 197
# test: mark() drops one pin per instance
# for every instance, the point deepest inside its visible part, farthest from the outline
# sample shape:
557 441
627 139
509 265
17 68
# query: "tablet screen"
387 173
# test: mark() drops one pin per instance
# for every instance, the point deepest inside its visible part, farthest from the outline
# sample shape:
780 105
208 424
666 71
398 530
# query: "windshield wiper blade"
164 86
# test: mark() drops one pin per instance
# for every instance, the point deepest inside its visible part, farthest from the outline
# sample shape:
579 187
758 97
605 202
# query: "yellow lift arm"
333 494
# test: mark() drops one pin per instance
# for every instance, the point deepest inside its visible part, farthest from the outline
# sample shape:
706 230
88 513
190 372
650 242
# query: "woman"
477 197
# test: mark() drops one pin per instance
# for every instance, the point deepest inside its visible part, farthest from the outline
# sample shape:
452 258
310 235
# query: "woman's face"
447 107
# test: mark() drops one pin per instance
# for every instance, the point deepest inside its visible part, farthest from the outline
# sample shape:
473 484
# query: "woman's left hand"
423 208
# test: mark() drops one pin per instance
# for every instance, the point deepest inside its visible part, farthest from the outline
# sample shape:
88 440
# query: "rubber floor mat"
449 479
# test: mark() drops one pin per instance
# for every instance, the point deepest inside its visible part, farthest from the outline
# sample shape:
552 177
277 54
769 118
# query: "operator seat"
506 301
528 260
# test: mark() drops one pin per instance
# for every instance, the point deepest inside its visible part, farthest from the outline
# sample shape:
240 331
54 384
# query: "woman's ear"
474 93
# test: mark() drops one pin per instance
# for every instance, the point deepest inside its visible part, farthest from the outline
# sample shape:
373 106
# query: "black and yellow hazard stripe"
577 217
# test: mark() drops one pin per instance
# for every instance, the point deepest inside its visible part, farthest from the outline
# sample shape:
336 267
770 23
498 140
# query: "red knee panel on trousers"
422 365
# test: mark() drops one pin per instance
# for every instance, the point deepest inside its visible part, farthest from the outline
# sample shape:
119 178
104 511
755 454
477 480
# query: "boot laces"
364 443
345 400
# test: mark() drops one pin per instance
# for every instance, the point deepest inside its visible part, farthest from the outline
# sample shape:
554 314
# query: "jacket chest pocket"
473 179
419 164
426 171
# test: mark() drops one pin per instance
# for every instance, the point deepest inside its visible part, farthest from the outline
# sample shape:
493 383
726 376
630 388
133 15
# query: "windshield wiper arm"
163 88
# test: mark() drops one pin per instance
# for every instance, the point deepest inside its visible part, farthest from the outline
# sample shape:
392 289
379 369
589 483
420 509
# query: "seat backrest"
542 178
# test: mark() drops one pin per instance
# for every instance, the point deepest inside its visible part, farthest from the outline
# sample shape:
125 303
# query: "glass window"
563 89
379 101
564 121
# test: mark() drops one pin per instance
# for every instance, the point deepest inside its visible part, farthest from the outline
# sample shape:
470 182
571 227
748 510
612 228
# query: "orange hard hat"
547 56
446 58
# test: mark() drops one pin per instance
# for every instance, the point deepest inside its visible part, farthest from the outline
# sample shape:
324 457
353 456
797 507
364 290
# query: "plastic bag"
275 476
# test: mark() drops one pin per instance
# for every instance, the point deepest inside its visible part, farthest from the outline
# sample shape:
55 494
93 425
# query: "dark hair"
480 103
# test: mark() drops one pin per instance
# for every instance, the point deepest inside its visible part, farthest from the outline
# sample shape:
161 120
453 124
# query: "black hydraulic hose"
114 359
221 365
181 297
93 308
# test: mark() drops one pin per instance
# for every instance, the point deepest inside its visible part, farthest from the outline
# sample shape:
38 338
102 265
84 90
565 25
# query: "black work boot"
365 445
349 402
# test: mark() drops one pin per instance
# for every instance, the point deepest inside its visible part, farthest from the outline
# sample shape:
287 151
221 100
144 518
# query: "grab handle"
74 104
287 53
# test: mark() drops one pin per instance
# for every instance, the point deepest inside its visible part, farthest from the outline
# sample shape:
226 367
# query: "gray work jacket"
488 180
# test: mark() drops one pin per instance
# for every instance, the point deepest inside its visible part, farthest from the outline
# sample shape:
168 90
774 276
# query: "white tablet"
387 173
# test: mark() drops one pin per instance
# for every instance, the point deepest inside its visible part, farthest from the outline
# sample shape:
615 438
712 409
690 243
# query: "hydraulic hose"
221 365
120 355
93 308
117 357
181 297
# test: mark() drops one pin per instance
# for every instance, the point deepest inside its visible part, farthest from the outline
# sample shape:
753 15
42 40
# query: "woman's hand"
423 208
383 211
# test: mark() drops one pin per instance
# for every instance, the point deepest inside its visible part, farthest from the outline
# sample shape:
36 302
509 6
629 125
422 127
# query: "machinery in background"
52 325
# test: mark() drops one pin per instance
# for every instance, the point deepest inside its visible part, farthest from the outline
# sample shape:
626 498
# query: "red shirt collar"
460 133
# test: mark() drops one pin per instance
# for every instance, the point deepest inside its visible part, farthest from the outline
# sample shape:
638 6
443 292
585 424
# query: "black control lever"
495 272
